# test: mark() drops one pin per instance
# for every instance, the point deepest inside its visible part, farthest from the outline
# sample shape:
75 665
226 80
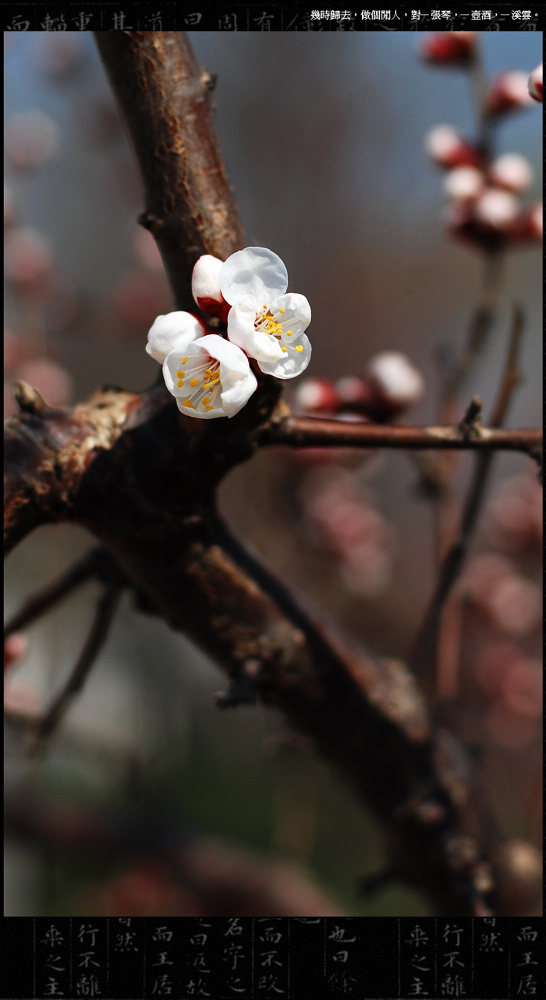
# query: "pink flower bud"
512 172
447 148
205 286
507 92
397 382
464 183
317 395
449 48
354 392
496 209
463 223
15 647
535 83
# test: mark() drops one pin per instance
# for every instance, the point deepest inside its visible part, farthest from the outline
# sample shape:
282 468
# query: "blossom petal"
254 272
188 378
241 331
170 330
294 360
294 312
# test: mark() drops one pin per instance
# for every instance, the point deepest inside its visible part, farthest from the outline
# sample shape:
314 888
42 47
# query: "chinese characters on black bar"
139 16
279 958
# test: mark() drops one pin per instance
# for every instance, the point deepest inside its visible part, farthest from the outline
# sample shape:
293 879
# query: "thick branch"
147 491
165 97
317 432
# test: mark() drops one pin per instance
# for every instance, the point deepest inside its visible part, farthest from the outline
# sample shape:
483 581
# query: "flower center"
202 380
266 323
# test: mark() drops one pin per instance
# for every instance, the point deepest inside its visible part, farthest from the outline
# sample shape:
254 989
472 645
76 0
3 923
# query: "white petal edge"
170 330
292 363
256 272
296 314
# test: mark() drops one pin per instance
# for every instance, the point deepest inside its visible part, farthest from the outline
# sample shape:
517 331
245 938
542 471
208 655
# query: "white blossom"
208 376
265 321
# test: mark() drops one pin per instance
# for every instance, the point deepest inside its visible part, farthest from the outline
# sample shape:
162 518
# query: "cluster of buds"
390 385
484 206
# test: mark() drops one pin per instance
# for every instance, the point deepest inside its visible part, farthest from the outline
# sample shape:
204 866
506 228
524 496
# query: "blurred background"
323 137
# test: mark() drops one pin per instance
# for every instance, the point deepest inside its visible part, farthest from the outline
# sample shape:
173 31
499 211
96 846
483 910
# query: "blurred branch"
423 658
104 616
480 326
96 563
317 432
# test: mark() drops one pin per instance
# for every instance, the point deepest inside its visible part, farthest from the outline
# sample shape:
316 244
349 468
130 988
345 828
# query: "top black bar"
201 16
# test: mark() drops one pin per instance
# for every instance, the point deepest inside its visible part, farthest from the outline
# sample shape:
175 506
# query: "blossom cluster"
210 375
389 385
484 206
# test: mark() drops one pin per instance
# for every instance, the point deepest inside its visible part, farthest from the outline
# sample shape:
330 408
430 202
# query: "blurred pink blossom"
507 92
31 139
28 262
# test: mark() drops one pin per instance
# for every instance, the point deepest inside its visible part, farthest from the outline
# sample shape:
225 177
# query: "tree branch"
96 563
318 432
165 97
105 613
422 660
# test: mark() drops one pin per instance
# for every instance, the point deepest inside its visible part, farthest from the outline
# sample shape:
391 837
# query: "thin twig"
104 615
92 564
481 323
313 432
422 660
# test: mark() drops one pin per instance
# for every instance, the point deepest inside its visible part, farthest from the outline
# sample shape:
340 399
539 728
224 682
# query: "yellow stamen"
180 383
206 399
285 349
289 333
183 362
299 348
209 407
187 402
194 381
180 374
281 310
